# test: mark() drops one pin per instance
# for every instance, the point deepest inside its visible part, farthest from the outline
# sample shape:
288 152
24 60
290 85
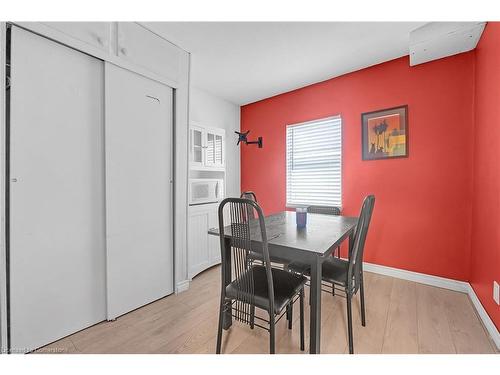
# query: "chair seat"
286 286
334 270
253 255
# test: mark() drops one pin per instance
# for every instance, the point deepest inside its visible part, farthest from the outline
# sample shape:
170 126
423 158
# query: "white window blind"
314 163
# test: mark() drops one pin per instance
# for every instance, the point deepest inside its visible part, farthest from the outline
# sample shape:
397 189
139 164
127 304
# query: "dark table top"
322 233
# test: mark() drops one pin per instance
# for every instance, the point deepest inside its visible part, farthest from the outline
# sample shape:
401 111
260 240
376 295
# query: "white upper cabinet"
129 45
146 49
207 147
97 34
215 148
196 146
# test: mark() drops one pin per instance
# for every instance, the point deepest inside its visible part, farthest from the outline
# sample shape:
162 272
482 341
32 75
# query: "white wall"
210 110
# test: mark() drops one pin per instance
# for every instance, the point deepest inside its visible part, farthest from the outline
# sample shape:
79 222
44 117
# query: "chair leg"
289 306
333 289
219 329
290 315
362 297
271 334
252 317
349 322
302 319
288 312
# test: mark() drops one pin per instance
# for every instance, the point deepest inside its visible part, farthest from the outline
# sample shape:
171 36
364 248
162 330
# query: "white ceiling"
246 62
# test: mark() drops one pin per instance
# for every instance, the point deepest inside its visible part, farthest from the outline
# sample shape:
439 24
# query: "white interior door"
138 190
57 242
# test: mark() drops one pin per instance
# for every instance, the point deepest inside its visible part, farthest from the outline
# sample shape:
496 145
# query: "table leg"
315 320
228 319
351 244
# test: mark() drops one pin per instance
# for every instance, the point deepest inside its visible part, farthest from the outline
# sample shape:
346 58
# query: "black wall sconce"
242 137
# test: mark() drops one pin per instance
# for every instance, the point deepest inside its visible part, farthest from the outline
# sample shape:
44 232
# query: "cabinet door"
97 34
198 241
196 146
142 47
210 149
213 241
215 148
219 149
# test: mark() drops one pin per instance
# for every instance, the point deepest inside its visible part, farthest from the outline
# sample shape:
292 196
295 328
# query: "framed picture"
384 133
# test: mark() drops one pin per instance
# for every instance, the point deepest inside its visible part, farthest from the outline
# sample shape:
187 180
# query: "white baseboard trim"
440 282
488 323
182 286
422 278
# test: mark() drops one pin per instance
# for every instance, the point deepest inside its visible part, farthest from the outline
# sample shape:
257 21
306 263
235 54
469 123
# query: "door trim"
4 142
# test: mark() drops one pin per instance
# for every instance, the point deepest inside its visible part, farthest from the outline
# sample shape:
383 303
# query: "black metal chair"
254 256
326 210
347 275
273 290
249 195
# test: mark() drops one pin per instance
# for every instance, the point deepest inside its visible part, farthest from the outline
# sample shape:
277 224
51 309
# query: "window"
314 163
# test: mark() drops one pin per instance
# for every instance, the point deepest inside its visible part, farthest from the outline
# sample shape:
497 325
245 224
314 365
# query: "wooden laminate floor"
402 317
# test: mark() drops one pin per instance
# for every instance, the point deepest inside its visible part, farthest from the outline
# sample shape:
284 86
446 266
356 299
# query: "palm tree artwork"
384 133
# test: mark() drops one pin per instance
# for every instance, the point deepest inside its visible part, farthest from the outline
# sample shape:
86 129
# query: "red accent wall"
485 246
422 215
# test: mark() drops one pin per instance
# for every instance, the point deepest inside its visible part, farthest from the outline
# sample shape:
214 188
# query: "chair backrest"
356 256
326 210
243 230
250 195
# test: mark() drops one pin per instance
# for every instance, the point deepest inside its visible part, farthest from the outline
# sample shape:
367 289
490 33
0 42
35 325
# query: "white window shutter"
314 163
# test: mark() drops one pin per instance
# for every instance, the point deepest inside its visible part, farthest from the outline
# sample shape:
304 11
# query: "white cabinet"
207 147
203 249
127 44
214 252
91 191
196 146
144 48
97 34
215 148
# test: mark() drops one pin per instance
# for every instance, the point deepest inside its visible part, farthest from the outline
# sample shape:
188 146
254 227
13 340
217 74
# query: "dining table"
310 245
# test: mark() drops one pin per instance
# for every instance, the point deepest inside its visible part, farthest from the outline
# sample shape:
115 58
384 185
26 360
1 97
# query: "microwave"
205 190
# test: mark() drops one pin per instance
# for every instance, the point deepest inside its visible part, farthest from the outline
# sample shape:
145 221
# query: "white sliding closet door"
138 190
57 241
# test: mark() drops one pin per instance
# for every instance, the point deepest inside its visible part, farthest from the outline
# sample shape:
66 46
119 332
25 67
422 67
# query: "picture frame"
384 133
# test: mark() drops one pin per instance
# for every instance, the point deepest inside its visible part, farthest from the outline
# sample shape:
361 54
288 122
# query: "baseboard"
422 278
440 282
488 323
182 286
